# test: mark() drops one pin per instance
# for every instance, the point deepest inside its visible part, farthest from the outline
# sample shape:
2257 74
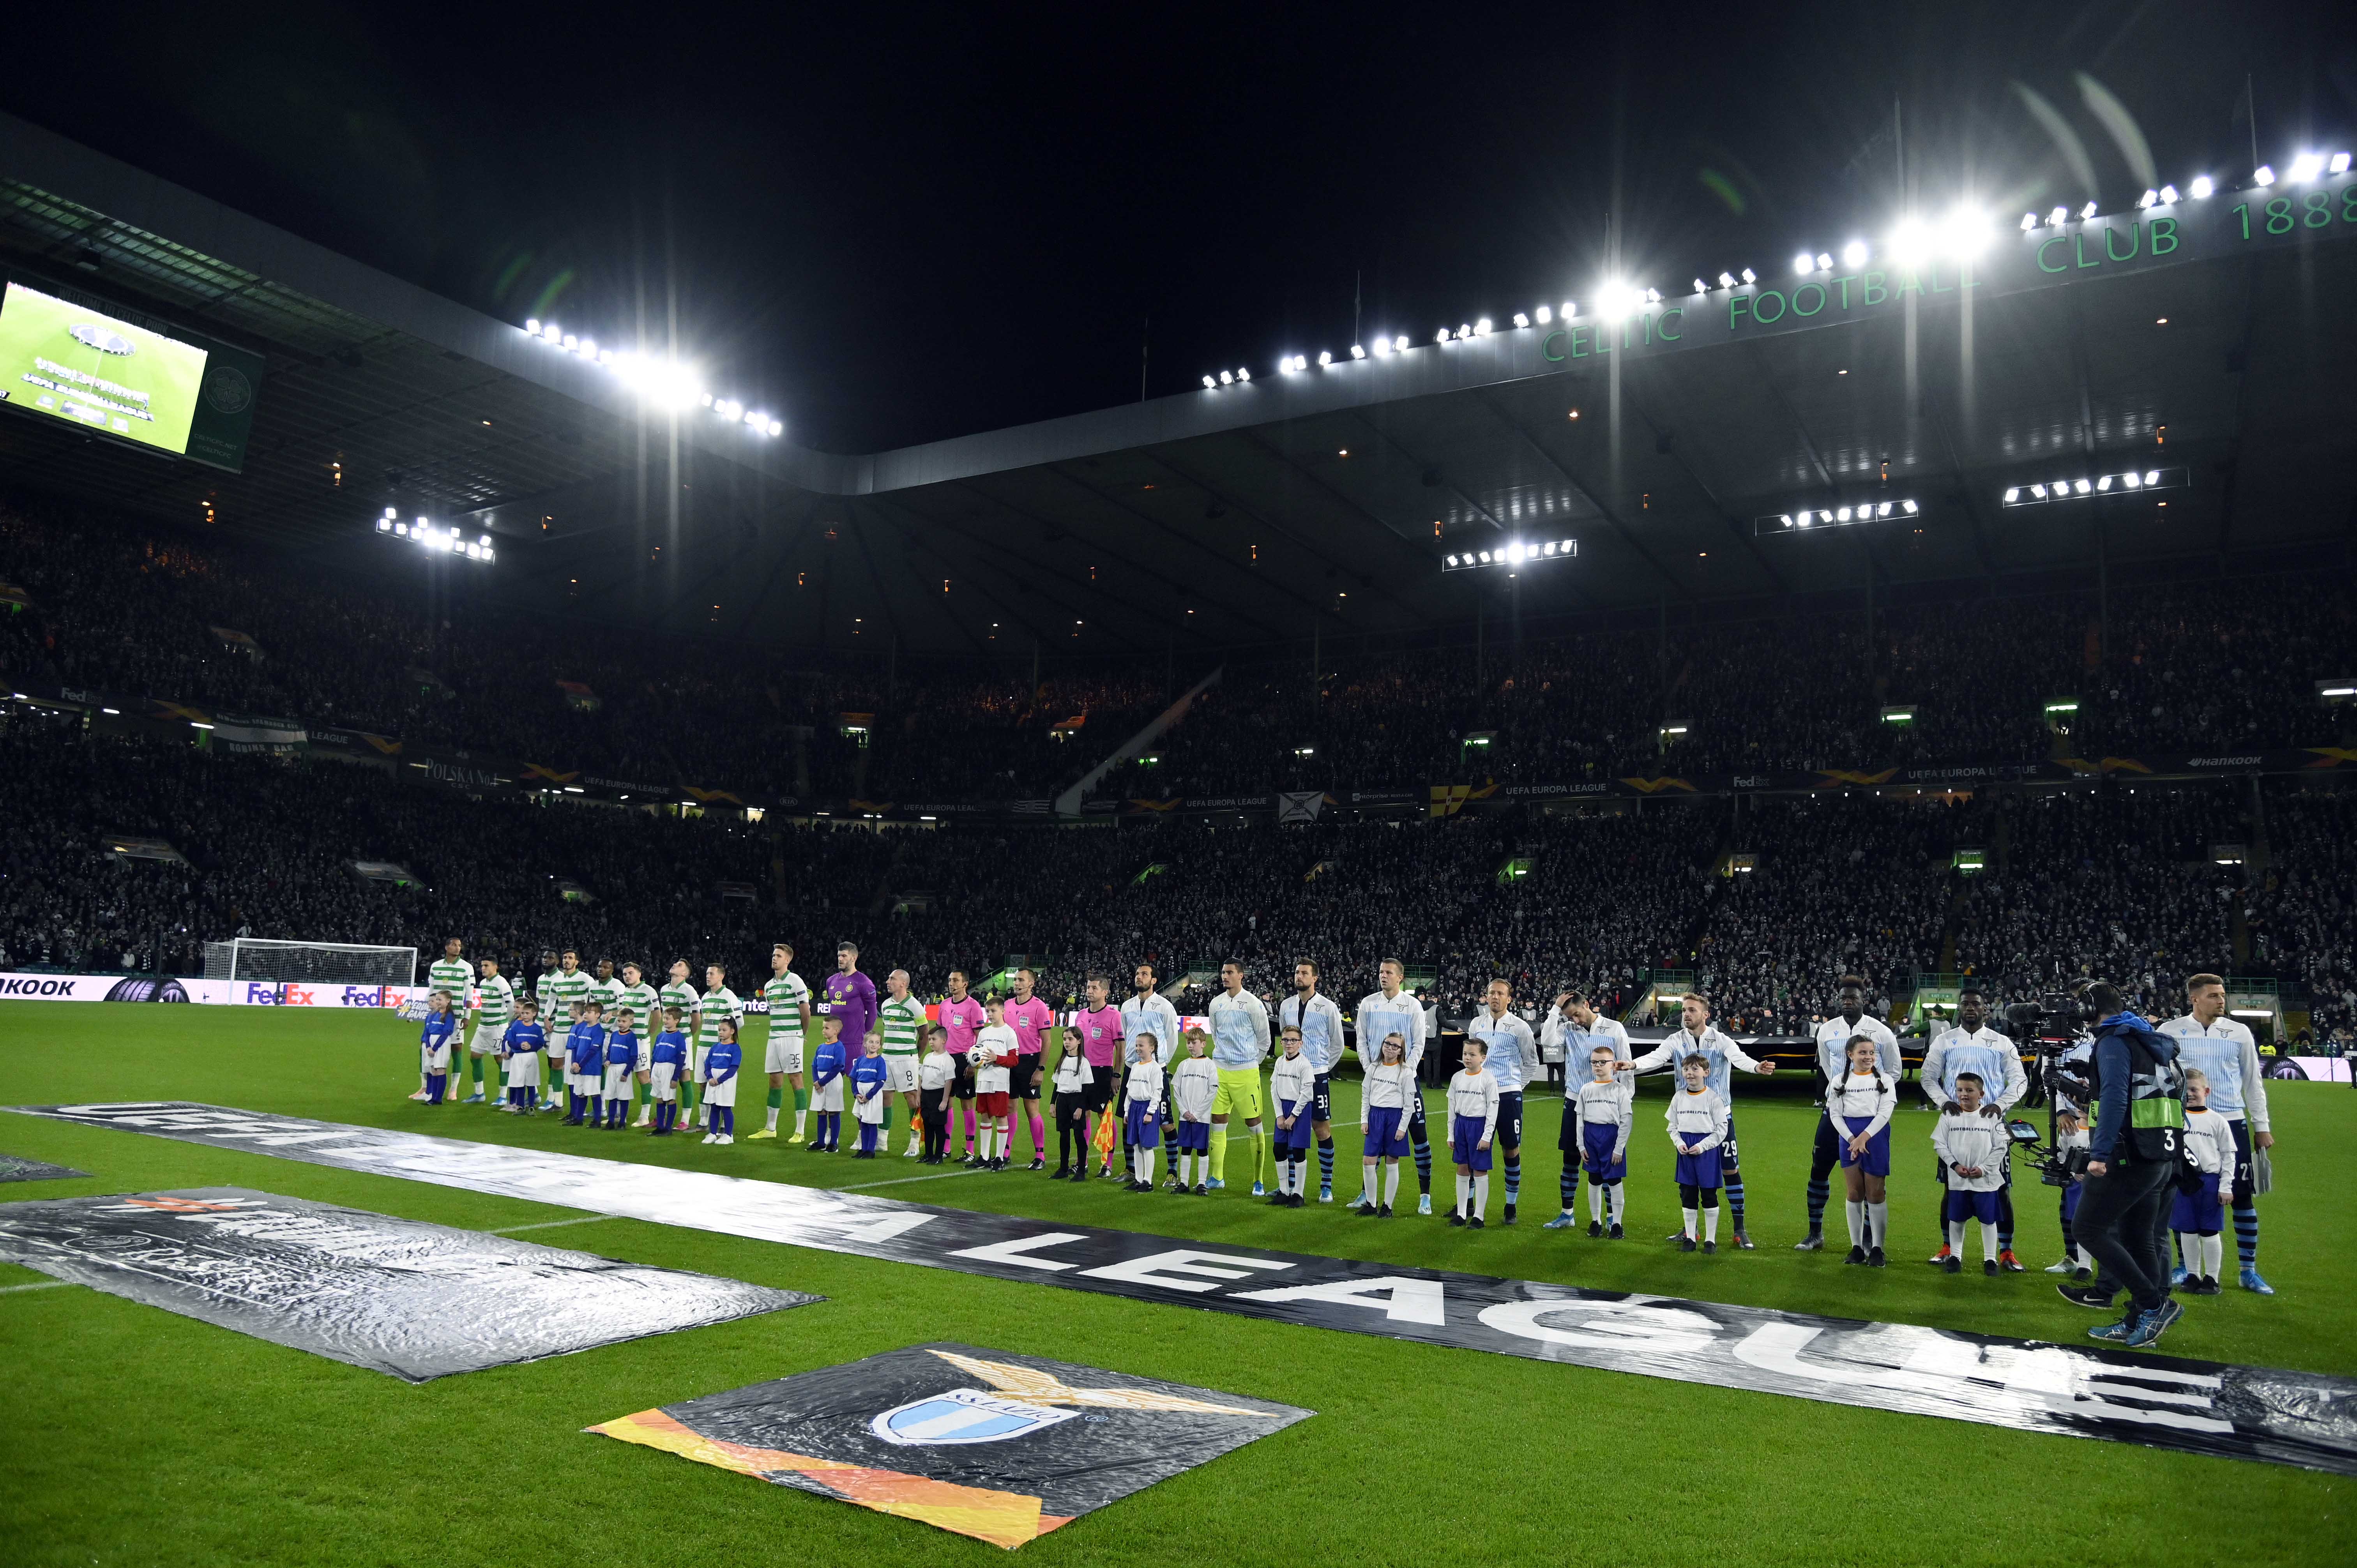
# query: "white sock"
1878 1222
2087 1260
1989 1243
986 1142
1710 1224
1390 1183
770 1113
1854 1212
1595 1203
2213 1255
1690 1216
1369 1184
1620 1202
800 1117
1464 1186
1481 1194
1957 1237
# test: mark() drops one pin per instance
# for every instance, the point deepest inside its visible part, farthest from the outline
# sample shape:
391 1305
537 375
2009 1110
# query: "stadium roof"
1236 515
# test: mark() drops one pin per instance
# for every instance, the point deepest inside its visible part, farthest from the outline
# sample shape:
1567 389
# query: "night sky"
896 225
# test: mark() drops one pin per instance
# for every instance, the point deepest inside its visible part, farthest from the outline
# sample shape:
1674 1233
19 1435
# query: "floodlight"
2037 490
1227 377
1452 560
588 347
1210 385
2132 481
2104 483
1357 352
1442 337
1748 276
1806 520
1853 254
777 427
2012 494
421 524
2202 188
532 325
1882 510
757 421
1652 297
2147 199
1514 554
2152 477
1909 508
1803 265
1464 331
383 526
1324 359
1400 342
1545 315
553 333
1726 280
1909 241
604 356
1825 263
1242 374
2087 211
1521 318
389 511
2083 487
1485 557
1382 348
2059 216
2029 221
1964 231
474 553
1842 515
2263 176
2340 164
2169 196
2305 168
571 342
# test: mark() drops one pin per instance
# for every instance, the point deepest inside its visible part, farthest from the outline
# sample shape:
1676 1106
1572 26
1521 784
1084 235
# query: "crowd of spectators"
1763 901
2186 664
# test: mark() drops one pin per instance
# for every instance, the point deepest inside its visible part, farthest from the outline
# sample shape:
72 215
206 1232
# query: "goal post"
321 963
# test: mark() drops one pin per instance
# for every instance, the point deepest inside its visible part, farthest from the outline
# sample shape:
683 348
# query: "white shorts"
489 1038
555 1059
695 1062
899 1073
783 1053
721 1093
523 1070
870 1109
438 1059
829 1097
617 1082
665 1090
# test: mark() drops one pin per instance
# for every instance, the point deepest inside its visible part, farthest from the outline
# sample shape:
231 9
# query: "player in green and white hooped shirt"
789 1001
640 999
561 991
453 975
719 1005
902 1018
677 992
607 988
494 1008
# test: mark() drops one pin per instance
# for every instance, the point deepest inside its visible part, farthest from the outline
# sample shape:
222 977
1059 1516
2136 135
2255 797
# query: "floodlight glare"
1325 358
1803 265
2029 221
2083 487
1652 297
1227 377
1485 556
1909 242
1242 373
2202 188
2169 196
1842 515
1964 233
2340 164
2147 199
588 347
2263 176
1882 510
2104 483
2305 168
2012 494
1570 309
2059 216
1382 348
1400 343
1521 318
1442 336
1726 280
1209 384
1853 254
1357 352
777 427
553 333
1464 331
1749 276
2152 477
2131 480
383 526
1909 508
532 325
571 342
1545 315
2087 211
1825 263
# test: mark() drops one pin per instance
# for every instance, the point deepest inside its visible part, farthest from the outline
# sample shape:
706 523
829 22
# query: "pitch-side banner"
2203 1407
987 1443
395 1296
224 993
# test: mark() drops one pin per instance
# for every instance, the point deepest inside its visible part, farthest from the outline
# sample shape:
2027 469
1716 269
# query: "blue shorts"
1705 1170
1509 1134
1464 1134
1321 1098
1143 1117
1980 1206
1298 1136
2070 1200
1877 1159
1195 1137
1595 1139
2200 1212
1386 1134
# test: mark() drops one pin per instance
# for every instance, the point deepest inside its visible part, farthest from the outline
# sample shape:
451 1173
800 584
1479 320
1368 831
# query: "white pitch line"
552 1224
44 1284
902 1181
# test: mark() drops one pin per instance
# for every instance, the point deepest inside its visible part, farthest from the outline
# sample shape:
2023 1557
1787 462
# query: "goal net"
322 963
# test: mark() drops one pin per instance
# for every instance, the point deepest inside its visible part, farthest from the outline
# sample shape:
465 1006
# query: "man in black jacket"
2137 1140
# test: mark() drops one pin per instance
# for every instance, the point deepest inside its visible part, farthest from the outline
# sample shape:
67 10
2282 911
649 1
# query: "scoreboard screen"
71 362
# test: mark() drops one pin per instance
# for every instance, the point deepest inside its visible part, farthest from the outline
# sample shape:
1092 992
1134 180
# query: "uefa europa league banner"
417 1301
2200 1407
987 1443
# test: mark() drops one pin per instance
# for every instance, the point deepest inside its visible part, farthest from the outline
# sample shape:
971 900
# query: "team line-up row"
1178 1089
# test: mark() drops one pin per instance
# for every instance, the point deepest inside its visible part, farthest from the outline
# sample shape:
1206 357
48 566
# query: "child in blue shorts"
1860 1106
1472 1121
1383 1102
1697 1123
1973 1146
1194 1086
1293 1084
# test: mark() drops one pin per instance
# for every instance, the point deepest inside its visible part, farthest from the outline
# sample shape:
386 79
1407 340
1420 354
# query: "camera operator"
2135 1146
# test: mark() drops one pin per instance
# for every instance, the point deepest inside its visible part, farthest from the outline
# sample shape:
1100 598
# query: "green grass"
141 1436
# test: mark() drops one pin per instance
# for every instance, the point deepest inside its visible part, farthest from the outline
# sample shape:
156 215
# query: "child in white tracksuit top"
1194 1085
1293 1084
1384 1098
1974 1148
1472 1121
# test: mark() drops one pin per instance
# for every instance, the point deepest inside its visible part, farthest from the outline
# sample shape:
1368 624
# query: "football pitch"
138 1435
